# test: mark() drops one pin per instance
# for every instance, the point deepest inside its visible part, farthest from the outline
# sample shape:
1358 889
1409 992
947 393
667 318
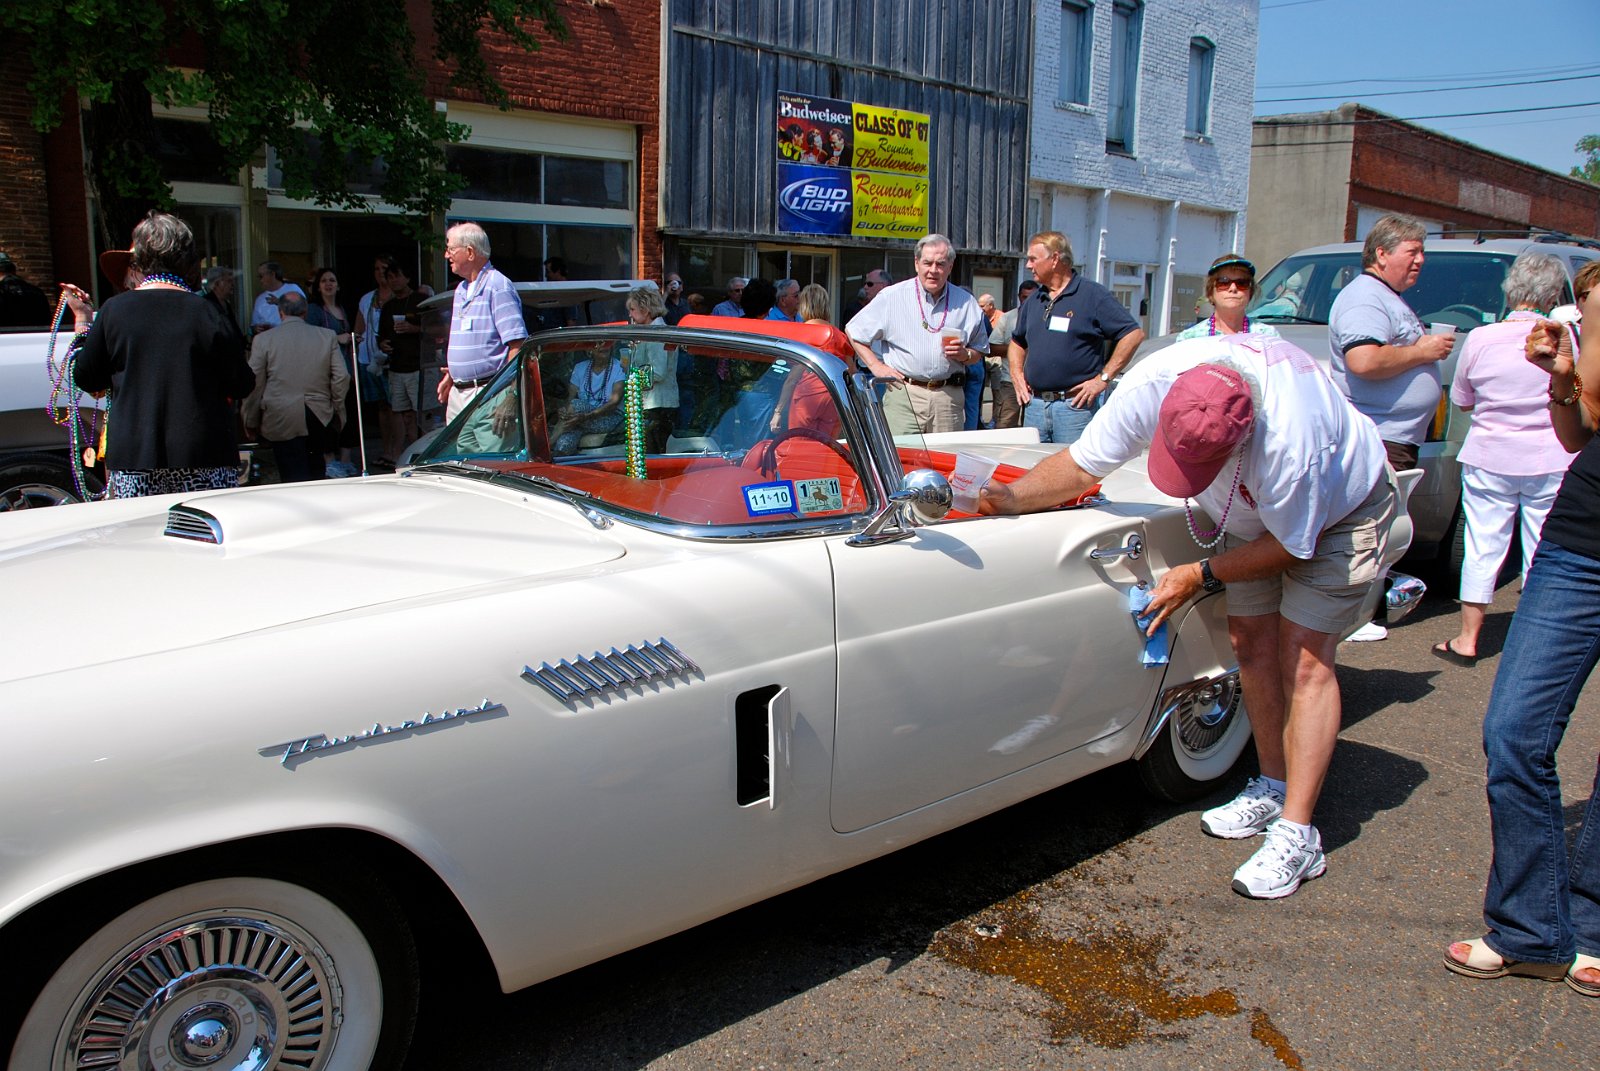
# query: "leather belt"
1052 395
957 380
469 384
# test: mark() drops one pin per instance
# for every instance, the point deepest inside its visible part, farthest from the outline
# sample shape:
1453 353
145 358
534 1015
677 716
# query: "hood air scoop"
187 522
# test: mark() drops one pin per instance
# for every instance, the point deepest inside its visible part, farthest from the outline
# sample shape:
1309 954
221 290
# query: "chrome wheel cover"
1202 717
218 992
34 496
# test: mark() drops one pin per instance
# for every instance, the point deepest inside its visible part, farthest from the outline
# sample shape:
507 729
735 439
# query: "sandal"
1588 989
1448 652
1483 963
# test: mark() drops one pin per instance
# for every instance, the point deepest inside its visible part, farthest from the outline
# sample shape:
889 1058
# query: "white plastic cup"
972 471
1441 329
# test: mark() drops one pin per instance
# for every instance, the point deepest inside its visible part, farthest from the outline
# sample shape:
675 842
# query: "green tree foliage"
333 87
1589 171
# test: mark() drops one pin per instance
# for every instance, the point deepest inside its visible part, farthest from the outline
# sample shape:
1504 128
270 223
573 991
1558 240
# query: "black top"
172 365
22 304
407 353
1572 522
1066 337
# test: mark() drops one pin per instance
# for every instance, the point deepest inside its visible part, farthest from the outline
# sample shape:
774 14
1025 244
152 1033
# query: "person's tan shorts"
1325 592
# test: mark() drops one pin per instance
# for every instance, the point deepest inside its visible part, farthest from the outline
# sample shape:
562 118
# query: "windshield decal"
767 499
819 496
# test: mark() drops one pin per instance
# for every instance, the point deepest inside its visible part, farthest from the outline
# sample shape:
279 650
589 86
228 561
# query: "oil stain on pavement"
1107 987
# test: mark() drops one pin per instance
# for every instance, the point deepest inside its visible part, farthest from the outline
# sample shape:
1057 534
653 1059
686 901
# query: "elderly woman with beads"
1511 459
1230 287
595 401
171 363
660 400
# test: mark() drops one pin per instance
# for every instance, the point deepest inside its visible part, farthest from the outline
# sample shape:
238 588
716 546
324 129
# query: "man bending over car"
1257 435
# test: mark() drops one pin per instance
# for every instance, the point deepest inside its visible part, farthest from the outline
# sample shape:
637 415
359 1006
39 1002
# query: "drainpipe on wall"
1102 228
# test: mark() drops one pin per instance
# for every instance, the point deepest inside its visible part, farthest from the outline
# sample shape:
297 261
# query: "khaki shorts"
1326 592
403 396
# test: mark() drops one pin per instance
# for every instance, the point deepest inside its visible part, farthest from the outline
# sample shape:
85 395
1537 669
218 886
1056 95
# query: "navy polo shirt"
1066 338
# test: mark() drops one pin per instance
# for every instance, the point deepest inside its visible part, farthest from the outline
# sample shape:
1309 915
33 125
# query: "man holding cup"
931 330
1383 359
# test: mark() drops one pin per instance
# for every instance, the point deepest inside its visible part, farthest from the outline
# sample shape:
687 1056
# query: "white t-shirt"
897 316
1310 459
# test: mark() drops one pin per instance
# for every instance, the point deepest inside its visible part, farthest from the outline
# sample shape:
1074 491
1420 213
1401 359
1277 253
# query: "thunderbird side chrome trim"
186 522
307 745
613 671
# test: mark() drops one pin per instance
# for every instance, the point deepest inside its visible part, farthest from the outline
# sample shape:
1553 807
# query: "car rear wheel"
238 972
32 481
1205 733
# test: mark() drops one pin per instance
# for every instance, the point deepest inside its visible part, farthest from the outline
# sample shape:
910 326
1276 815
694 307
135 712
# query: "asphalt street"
1092 928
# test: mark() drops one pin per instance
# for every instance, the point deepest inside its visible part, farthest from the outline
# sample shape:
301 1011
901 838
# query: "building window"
1077 50
1201 56
1123 95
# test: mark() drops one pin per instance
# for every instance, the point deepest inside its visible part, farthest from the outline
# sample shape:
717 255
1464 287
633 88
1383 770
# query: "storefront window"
572 180
496 174
187 152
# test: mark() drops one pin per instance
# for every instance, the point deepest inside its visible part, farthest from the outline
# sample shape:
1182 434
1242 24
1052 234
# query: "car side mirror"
927 492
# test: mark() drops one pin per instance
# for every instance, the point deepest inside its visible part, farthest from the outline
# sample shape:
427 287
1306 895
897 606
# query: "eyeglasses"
1234 284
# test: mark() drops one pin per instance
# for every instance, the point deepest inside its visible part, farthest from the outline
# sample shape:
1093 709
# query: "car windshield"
653 424
1456 287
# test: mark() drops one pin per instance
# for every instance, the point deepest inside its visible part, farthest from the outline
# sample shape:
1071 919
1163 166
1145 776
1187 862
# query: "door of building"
805 265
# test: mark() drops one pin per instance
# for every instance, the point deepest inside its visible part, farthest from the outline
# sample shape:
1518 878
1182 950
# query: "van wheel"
33 481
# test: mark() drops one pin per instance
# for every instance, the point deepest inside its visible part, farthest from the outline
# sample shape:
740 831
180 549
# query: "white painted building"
1141 142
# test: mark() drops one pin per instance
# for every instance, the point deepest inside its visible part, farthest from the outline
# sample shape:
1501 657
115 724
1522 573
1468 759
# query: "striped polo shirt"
486 318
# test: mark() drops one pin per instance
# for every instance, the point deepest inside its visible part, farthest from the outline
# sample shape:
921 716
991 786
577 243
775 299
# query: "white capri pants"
1490 503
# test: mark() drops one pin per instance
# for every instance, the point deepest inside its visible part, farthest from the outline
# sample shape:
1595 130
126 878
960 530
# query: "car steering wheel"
769 451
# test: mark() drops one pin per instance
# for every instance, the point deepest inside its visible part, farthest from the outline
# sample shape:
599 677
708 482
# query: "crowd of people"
1293 469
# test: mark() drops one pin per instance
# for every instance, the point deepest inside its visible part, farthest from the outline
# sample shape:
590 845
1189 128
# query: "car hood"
100 582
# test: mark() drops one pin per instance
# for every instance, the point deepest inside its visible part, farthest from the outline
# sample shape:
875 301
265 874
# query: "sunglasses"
1234 284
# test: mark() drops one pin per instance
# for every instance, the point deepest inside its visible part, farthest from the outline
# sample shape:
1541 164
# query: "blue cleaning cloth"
1155 651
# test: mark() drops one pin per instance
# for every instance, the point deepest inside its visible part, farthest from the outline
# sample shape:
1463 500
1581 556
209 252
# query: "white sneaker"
1246 815
1281 864
1368 632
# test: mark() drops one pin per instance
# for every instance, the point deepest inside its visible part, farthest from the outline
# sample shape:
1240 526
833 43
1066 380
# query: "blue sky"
1357 50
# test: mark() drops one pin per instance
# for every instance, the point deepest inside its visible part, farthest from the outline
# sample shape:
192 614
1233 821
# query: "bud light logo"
813 200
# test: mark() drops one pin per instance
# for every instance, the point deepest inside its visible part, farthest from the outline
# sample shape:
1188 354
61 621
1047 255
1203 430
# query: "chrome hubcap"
221 993
1204 714
34 496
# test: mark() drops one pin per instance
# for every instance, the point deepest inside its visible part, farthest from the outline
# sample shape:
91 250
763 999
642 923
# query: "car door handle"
1133 549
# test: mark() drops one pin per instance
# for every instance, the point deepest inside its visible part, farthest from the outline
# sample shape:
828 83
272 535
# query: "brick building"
1323 177
569 170
1141 142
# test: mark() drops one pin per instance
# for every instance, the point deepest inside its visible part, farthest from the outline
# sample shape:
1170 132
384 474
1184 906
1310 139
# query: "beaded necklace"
1245 330
65 406
923 316
1214 535
594 395
164 277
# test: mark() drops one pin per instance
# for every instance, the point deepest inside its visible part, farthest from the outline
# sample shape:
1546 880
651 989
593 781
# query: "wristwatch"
1105 377
1208 582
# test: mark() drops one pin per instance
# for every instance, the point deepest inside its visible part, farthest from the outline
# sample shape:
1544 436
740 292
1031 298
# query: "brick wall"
24 190
1403 168
1069 141
609 68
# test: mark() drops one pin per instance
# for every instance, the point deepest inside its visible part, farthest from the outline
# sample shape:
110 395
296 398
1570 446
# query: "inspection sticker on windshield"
819 496
765 499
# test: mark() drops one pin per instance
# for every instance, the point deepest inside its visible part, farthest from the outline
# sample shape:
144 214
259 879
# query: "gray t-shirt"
1369 312
1001 336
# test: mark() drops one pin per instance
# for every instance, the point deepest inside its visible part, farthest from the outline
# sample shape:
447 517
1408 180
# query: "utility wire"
1443 115
1440 89
1574 68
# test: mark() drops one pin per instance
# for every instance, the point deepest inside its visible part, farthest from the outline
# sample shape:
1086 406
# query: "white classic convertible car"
580 678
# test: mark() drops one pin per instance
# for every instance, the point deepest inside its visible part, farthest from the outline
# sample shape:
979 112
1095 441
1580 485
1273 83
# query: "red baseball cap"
1205 415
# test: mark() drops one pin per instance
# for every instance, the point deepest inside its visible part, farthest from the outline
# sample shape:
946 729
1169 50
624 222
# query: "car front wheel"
1205 733
237 972
32 481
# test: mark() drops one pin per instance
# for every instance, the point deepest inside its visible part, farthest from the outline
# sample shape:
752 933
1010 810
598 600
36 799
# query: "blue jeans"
1538 909
1059 422
974 397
